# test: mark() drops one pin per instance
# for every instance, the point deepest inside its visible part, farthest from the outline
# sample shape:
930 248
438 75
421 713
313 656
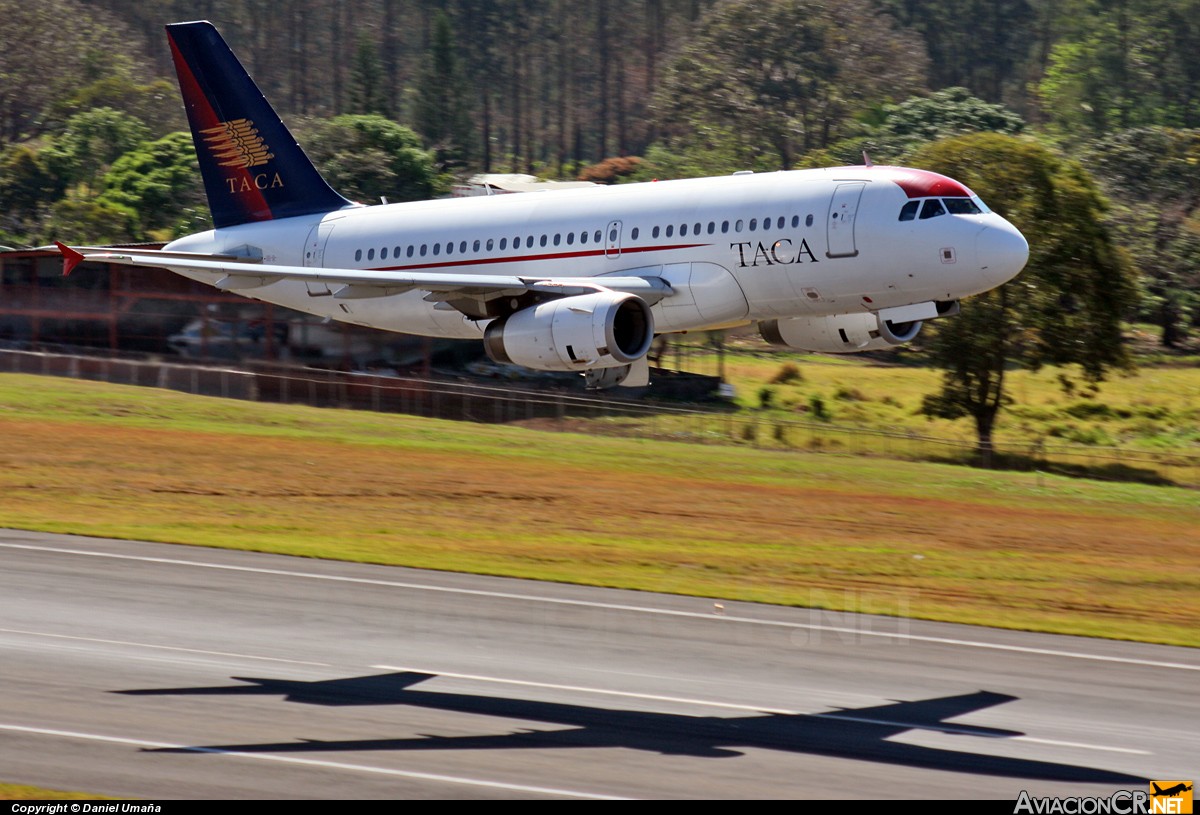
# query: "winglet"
71 258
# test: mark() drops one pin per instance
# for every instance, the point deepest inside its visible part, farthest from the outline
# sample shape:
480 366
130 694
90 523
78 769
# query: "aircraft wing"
239 274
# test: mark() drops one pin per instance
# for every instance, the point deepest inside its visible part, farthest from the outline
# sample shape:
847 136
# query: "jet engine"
839 333
604 329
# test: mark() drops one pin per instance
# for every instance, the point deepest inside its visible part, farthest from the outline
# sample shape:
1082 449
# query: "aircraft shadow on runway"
861 733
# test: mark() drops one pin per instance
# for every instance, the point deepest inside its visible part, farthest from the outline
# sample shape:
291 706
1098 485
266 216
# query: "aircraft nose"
1002 252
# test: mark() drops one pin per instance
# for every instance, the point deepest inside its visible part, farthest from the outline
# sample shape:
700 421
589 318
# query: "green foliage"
369 157
1065 307
1124 64
90 142
26 187
77 219
442 115
367 93
1153 178
783 76
818 409
160 183
978 44
949 112
700 154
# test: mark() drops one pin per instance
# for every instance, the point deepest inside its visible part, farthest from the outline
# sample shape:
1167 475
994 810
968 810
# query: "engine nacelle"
600 330
839 333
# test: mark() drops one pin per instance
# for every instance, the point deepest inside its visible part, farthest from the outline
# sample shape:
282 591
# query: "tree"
1125 64
367 92
949 112
979 44
1153 177
370 157
26 189
160 183
1065 308
442 114
785 75
90 142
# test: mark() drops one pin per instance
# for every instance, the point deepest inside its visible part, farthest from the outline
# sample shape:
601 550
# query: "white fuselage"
734 249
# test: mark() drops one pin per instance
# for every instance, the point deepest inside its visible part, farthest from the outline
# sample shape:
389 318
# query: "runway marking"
162 647
619 607
336 765
939 728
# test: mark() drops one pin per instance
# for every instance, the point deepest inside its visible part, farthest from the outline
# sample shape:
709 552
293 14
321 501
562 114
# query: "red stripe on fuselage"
525 258
254 205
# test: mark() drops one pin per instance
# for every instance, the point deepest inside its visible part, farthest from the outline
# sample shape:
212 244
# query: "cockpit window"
961 206
933 208
910 211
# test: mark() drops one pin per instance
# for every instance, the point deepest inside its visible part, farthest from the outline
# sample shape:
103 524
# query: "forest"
1085 109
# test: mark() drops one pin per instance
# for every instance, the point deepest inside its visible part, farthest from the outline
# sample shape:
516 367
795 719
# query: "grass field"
926 540
1154 407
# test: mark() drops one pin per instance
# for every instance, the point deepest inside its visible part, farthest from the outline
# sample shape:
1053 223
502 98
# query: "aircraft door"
314 255
612 240
840 226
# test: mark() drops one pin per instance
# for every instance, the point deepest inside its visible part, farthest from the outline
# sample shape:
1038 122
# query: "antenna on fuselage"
867 159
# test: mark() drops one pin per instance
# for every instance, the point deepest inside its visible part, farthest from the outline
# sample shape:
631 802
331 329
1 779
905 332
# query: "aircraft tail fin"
1157 789
253 169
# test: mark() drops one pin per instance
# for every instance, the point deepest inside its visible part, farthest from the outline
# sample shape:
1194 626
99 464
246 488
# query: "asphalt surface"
156 671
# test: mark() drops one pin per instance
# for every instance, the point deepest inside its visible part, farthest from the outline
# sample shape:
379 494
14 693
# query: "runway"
157 671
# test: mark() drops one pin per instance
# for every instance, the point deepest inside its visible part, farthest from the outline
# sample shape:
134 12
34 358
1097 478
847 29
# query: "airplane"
1169 792
837 260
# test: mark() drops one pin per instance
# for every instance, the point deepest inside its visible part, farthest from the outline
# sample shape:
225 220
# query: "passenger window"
724 227
370 254
583 236
503 244
633 236
795 221
712 227
358 254
529 242
437 248
753 224
612 236
808 221
933 208
598 235
696 229
409 252
738 226
682 230
557 238
450 248
654 234
570 239
424 248
670 230
542 242
462 247
781 223
909 211
475 246
396 252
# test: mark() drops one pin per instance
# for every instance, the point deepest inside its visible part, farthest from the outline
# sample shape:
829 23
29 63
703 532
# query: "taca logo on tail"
253 169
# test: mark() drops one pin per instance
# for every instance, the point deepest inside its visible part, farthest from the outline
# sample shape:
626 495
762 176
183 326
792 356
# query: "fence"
562 410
